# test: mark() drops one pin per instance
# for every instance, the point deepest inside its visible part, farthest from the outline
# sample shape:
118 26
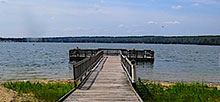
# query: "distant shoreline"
186 40
112 43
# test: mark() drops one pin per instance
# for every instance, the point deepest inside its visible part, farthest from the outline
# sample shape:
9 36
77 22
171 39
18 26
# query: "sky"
60 18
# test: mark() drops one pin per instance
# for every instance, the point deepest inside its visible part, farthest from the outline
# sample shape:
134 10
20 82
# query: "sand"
173 83
7 95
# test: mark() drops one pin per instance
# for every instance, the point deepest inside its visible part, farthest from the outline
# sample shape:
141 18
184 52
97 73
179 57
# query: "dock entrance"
102 76
108 82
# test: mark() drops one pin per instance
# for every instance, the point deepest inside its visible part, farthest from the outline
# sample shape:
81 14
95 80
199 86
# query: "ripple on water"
50 60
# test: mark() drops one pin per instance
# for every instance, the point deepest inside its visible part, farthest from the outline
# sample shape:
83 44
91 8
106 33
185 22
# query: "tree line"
200 40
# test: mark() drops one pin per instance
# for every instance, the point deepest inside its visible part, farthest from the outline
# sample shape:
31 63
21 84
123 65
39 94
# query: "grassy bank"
48 92
178 92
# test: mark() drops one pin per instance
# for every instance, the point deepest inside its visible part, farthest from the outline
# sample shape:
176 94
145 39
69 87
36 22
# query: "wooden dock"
107 81
78 54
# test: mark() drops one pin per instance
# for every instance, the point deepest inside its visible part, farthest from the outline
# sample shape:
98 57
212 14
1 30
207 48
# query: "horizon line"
118 36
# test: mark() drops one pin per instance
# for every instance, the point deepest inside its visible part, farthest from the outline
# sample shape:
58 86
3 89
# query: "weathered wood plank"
107 83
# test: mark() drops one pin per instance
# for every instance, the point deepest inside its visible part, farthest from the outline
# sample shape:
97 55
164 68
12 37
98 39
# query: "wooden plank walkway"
108 82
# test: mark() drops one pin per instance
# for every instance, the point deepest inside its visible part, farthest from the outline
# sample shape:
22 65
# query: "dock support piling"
133 62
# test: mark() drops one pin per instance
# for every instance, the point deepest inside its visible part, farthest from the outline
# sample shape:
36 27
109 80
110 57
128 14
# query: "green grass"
49 92
180 92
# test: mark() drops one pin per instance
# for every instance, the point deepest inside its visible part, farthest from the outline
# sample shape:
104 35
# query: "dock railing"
82 52
113 51
138 55
82 68
130 68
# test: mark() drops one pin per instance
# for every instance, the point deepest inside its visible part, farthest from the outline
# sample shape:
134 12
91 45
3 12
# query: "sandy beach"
8 95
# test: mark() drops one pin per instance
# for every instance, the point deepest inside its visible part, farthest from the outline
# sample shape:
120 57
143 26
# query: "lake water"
22 61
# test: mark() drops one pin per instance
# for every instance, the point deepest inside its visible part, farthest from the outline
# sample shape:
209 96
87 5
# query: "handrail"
112 51
82 67
82 52
130 68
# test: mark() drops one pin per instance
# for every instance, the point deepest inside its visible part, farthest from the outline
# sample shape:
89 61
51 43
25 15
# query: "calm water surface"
21 61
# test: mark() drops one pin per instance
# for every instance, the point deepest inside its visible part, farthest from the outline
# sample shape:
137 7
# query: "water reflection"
145 69
145 65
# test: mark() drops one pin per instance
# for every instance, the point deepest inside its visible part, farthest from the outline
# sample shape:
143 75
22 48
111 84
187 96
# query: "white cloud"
78 17
121 25
203 1
177 7
151 22
172 22
196 4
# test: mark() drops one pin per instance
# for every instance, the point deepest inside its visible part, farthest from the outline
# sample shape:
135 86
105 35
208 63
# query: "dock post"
133 62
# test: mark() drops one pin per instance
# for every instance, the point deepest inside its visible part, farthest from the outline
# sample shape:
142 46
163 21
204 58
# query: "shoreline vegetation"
50 90
34 91
196 40
151 91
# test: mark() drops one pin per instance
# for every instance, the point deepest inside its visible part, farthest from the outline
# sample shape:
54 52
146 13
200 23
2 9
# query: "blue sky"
47 18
